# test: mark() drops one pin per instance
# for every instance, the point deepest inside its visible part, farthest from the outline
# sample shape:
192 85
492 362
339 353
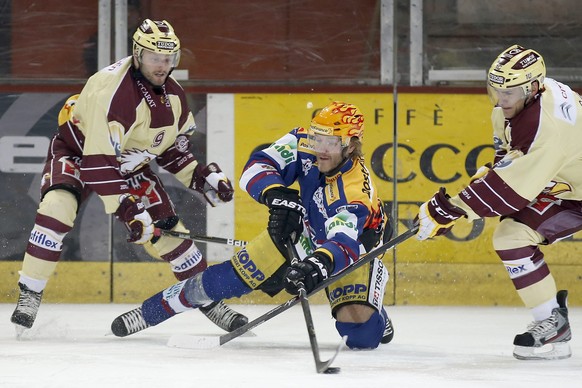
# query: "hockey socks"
216 283
165 304
365 335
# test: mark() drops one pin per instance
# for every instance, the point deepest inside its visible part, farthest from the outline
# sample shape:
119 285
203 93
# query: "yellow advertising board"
442 140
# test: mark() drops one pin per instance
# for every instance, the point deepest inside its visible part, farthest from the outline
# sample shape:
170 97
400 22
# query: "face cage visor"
507 97
150 58
325 143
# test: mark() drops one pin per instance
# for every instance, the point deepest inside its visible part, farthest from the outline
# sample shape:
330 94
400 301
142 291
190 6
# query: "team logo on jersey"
306 165
318 199
144 188
158 139
182 144
556 188
70 166
131 160
543 202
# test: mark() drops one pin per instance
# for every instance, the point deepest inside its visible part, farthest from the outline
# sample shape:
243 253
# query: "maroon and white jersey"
119 124
537 151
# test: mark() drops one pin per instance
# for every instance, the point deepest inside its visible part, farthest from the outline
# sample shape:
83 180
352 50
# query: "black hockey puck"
332 370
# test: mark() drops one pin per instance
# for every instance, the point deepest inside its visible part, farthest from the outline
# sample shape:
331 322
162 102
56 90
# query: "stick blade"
324 366
184 341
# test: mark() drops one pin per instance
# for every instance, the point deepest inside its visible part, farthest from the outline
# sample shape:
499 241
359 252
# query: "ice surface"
444 347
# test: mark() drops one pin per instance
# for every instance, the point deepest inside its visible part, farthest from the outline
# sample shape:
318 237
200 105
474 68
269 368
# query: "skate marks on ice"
436 347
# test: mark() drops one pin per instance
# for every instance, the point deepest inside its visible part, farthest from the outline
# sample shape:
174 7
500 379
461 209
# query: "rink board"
414 284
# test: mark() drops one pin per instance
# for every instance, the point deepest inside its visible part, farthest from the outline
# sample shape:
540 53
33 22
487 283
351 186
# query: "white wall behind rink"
220 149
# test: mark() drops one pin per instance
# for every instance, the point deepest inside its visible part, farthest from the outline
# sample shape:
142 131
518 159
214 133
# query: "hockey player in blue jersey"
335 218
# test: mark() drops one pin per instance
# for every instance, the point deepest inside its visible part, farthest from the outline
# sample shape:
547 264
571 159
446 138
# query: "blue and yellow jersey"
340 208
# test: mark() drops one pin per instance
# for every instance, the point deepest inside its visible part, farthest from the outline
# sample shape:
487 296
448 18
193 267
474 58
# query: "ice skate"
547 339
26 308
223 316
129 323
388 329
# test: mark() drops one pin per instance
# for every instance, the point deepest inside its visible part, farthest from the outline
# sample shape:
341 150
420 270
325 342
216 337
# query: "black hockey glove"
285 216
310 271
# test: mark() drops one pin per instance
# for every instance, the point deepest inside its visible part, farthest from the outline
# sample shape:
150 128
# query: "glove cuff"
442 199
277 192
129 207
326 260
197 182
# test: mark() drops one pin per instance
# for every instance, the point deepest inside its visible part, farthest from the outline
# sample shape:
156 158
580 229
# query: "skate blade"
19 331
554 351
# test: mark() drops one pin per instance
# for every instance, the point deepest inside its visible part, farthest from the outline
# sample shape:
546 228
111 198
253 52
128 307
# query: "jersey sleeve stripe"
491 197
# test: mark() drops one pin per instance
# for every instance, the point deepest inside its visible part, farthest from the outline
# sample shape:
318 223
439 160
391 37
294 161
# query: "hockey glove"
137 220
437 216
285 215
212 183
309 273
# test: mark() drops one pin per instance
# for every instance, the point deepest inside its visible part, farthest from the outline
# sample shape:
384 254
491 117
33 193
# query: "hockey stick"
186 236
320 366
201 342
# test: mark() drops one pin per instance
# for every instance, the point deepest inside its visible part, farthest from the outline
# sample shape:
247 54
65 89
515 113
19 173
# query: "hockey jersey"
119 123
340 208
537 151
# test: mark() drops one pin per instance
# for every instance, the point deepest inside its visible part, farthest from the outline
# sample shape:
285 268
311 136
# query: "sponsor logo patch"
165 45
496 79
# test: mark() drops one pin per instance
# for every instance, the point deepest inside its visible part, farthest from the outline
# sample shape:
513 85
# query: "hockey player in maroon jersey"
126 116
534 185
335 217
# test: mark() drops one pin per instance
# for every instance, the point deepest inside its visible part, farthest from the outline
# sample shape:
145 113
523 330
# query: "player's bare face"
156 67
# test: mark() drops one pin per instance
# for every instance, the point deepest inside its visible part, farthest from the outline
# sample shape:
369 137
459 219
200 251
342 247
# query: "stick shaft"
217 240
319 366
368 257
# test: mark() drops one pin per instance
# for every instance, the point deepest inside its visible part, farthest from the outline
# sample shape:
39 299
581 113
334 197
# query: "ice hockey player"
127 115
534 185
336 217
